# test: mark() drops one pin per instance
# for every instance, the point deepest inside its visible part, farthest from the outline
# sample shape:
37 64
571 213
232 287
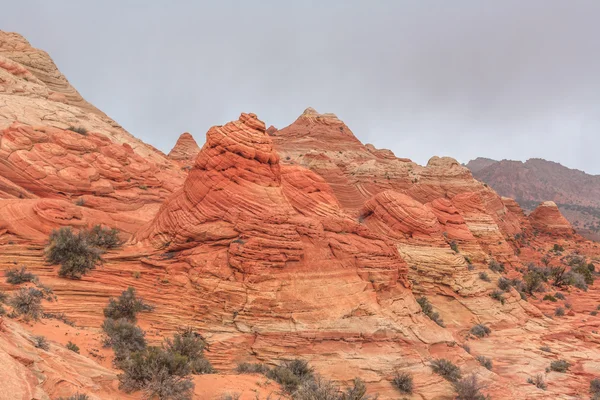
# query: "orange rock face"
298 242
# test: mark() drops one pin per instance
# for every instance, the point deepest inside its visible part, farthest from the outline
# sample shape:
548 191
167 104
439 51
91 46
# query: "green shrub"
550 298
73 252
485 361
40 342
16 276
559 366
158 372
290 374
73 347
480 330
191 345
559 312
105 238
446 369
252 368
27 302
469 388
538 381
124 337
428 310
403 381
498 295
484 277
126 306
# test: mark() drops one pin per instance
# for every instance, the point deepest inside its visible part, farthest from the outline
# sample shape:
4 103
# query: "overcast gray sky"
503 79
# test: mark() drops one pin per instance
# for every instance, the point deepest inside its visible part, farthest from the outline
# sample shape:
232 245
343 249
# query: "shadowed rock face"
298 242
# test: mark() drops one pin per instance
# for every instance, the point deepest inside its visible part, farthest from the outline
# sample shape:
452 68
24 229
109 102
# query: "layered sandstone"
185 150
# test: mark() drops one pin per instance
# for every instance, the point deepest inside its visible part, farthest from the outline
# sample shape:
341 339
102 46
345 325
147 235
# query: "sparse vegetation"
469 388
485 361
73 347
191 345
126 306
496 266
546 349
104 238
454 246
559 295
559 366
484 277
428 310
559 312
40 342
16 276
538 381
27 302
252 368
80 129
480 330
73 251
403 381
124 336
498 295
290 374
595 387
76 396
549 297
504 284
446 369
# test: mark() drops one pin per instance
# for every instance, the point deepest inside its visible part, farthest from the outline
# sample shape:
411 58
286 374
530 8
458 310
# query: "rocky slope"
536 180
298 242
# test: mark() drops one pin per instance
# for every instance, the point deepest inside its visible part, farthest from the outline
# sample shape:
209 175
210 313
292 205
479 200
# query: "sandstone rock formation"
185 150
298 242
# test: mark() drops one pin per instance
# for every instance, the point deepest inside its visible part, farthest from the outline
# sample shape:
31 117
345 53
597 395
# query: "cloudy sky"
464 78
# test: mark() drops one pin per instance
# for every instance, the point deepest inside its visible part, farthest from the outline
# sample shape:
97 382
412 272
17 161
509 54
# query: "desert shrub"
533 282
575 279
498 295
126 306
81 130
158 372
105 238
2 311
496 266
40 342
27 302
446 369
484 277
549 297
470 267
469 388
231 396
485 361
580 266
559 312
76 396
454 246
252 368
428 310
538 381
558 248
358 391
73 347
3 296
124 337
568 305
595 386
504 284
480 330
291 374
16 276
559 295
191 345
546 349
74 252
403 381
559 366
594 313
